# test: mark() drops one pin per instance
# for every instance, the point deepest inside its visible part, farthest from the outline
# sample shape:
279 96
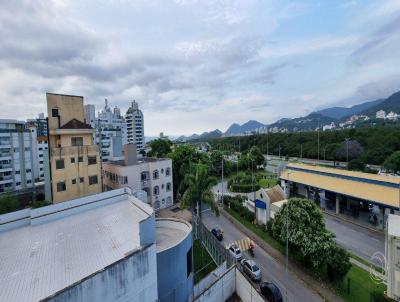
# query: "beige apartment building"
75 164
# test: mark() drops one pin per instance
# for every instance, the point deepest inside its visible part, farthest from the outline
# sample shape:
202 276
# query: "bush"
39 203
9 203
245 188
338 263
269 226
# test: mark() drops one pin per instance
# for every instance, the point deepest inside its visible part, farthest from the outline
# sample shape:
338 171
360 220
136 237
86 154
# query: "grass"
267 183
203 263
360 287
369 264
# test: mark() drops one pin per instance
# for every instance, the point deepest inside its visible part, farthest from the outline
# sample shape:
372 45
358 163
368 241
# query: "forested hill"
373 144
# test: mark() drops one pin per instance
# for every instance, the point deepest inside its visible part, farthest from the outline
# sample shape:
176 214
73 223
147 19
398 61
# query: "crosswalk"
243 244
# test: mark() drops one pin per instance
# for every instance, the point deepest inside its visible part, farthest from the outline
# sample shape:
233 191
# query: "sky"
198 65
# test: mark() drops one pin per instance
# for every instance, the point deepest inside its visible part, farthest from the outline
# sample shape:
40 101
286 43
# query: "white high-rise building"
135 128
111 132
90 113
16 160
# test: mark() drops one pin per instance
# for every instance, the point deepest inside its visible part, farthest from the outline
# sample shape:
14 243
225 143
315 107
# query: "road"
361 241
270 268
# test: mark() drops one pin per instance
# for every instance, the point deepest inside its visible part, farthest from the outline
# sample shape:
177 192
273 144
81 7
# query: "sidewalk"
325 292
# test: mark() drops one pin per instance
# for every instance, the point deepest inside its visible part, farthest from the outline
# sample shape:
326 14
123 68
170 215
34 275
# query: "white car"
236 252
251 269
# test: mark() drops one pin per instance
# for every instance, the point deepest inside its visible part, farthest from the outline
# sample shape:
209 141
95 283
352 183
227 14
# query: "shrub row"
235 204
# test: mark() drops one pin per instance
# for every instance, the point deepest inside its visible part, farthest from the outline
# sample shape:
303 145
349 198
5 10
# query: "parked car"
217 233
251 269
271 292
236 252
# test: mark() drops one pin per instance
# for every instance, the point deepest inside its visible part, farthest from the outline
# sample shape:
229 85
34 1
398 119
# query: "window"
162 186
72 160
80 159
18 183
168 172
17 172
40 155
28 170
155 174
189 262
81 179
77 141
54 112
162 171
168 186
61 186
92 160
60 164
27 149
93 180
74 181
29 181
156 190
169 201
40 149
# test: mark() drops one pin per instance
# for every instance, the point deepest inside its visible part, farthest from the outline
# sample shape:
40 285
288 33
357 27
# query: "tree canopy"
160 147
392 163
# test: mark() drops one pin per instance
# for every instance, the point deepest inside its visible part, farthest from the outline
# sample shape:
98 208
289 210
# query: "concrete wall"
173 282
132 279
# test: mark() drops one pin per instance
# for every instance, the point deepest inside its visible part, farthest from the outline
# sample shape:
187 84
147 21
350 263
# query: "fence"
353 290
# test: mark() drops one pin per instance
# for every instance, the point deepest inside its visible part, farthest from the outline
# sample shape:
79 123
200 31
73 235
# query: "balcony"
5 166
78 150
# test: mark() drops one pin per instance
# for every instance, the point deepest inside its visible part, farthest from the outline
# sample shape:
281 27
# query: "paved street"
271 269
361 241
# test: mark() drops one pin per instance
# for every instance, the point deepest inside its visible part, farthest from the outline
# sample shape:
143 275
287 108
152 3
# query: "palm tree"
199 189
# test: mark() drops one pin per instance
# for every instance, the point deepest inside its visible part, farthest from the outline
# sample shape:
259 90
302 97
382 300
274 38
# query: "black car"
218 234
271 292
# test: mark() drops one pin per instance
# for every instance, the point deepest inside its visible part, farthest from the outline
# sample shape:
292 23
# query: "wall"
173 282
132 279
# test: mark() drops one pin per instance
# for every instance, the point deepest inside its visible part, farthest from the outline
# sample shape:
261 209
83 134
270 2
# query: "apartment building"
16 160
152 175
135 128
75 168
109 125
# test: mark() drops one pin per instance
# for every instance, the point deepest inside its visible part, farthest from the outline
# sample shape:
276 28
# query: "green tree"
160 147
9 203
256 156
338 263
392 163
356 164
307 233
198 189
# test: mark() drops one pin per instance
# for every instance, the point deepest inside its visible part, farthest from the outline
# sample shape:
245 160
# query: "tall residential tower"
135 128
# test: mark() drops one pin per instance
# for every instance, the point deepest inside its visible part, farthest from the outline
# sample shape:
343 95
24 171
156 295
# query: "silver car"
251 269
236 252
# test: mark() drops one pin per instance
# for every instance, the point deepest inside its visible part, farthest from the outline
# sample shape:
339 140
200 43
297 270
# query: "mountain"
205 135
341 112
392 103
248 126
307 123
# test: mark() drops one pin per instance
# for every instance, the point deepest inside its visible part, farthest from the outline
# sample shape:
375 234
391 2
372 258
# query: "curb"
309 281
355 223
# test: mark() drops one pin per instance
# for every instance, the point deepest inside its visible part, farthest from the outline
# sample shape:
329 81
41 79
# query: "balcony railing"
5 166
77 150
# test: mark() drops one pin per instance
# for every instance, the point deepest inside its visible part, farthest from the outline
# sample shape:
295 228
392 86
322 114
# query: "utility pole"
222 182
301 150
279 151
318 138
347 150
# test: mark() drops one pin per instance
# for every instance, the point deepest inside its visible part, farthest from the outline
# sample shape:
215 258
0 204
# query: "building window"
17 183
74 181
162 171
60 164
92 160
27 149
40 155
169 201
28 170
168 186
54 112
81 179
168 171
80 159
61 186
72 160
17 172
144 176
155 174
29 181
76 141
189 262
93 180
156 190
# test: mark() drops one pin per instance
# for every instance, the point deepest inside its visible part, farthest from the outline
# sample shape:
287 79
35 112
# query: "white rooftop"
393 227
51 253
170 232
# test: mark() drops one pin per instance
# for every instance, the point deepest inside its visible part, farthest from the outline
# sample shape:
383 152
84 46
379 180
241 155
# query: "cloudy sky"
195 66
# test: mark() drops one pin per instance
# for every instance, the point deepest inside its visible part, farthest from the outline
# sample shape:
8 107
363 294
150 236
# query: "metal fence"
355 291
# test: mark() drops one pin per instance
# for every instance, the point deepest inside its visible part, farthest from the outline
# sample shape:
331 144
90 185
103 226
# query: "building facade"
90 115
152 175
16 159
110 125
75 167
135 126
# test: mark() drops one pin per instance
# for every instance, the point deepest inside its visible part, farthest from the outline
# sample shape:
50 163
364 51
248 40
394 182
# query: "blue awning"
260 204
